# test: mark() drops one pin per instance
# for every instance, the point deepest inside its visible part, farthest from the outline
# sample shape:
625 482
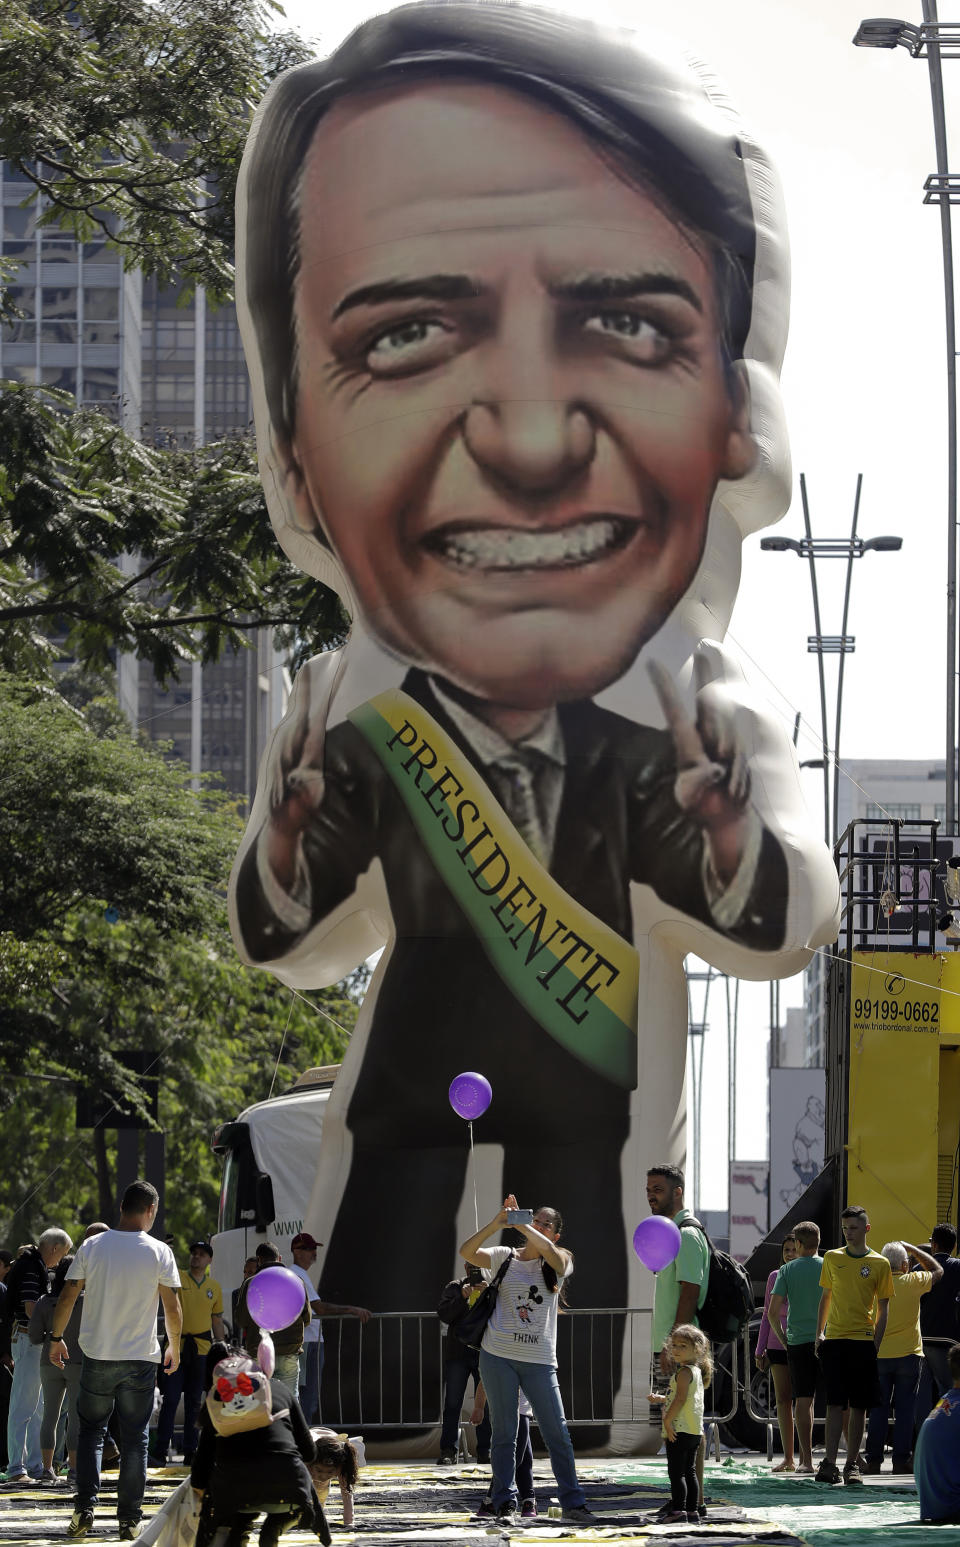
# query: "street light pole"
937 40
843 657
946 238
813 548
820 667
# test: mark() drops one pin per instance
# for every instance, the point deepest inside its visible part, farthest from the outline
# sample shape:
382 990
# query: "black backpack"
729 1301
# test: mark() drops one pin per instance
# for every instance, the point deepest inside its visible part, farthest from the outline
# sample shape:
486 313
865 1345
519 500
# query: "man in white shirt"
122 1272
303 1249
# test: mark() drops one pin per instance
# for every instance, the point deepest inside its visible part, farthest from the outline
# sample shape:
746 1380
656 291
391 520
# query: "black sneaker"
80 1522
485 1511
506 1515
828 1472
581 1516
447 1458
129 1530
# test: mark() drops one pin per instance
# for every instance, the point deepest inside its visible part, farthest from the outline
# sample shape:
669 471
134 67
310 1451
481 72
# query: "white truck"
270 1155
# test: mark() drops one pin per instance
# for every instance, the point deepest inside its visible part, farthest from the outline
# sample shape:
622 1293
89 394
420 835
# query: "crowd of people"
871 1335
853 1328
90 1362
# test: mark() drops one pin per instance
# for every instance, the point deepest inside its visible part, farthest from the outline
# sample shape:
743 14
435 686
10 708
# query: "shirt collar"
492 747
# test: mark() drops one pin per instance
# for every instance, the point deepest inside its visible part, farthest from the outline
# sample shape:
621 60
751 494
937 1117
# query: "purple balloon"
275 1298
656 1242
470 1095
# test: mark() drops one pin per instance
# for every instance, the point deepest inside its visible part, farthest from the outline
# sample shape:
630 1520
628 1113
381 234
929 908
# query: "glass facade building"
172 372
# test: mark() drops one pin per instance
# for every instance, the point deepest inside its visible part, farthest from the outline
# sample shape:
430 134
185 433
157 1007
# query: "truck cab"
270 1155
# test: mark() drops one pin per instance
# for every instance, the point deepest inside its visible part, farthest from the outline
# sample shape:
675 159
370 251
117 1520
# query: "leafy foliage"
78 496
113 937
130 117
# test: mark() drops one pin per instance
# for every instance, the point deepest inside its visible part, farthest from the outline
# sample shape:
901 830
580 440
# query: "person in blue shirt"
936 1458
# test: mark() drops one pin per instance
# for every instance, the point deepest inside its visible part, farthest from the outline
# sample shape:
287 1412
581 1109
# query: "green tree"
114 938
130 117
78 497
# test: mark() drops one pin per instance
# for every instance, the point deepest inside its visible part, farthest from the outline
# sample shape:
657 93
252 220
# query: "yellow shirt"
200 1302
856 1285
903 1317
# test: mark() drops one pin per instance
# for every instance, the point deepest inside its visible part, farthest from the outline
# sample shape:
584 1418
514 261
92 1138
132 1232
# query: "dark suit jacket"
618 822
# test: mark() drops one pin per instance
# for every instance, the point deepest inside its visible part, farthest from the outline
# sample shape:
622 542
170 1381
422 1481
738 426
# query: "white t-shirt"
122 1271
313 1332
524 1321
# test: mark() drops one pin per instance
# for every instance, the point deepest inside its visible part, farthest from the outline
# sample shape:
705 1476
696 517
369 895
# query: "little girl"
683 1420
337 1458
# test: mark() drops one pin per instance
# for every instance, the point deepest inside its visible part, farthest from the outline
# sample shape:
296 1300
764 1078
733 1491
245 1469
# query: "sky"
850 132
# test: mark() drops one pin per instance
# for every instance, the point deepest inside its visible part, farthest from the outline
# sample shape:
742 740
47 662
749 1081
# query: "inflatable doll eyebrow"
432 287
595 288
589 288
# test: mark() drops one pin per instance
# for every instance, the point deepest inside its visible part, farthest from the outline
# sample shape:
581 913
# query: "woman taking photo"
519 1353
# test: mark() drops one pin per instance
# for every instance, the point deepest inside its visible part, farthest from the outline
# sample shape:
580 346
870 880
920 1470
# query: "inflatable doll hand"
713 779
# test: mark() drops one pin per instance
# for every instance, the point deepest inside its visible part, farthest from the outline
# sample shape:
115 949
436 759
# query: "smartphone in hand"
519 1216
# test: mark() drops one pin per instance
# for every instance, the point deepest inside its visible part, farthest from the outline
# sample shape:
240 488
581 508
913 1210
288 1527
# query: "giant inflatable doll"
514 297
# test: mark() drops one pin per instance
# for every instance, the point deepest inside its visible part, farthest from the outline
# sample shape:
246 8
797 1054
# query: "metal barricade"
389 1373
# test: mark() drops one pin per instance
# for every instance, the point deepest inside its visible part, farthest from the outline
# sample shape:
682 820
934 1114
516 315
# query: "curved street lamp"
819 644
936 40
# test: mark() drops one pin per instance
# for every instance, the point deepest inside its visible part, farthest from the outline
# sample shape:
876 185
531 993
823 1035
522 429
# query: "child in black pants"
683 1420
523 1463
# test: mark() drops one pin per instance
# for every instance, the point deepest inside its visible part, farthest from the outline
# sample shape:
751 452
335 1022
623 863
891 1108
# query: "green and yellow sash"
574 974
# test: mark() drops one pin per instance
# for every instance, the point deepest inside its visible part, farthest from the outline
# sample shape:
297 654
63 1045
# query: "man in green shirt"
681 1287
800 1289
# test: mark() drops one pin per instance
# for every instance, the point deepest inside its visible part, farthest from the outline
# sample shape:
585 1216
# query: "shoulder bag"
473 1323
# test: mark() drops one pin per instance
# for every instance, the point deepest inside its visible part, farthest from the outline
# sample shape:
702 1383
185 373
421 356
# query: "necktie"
516 785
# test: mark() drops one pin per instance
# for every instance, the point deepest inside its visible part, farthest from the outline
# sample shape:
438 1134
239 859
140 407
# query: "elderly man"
900 1355
26 1281
498 282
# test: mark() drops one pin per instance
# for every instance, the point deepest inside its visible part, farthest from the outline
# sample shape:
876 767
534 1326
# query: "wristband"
55 1338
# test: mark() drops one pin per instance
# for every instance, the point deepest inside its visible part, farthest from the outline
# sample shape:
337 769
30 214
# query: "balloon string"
473 1173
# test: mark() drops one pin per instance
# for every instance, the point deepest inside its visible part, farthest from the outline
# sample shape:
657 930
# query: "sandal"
785 1466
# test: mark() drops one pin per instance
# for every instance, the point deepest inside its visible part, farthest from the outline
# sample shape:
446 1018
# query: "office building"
168 372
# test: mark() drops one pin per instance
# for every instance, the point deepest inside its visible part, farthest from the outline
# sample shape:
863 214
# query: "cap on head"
304 1242
201 1246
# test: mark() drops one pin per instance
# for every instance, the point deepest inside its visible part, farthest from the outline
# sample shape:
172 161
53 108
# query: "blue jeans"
503 1380
460 1367
311 1363
26 1408
898 1380
128 1385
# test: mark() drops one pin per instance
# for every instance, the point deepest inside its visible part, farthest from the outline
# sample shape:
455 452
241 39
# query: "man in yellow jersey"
856 1285
202 1300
